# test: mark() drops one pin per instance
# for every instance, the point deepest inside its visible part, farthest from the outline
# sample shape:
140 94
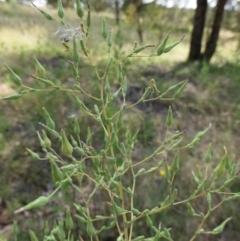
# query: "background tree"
134 11
197 33
213 38
198 27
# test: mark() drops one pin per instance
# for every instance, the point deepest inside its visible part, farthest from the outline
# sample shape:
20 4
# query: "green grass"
211 96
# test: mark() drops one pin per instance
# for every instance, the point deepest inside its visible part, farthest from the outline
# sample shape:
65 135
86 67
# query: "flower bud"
83 47
60 9
90 228
68 221
180 90
39 202
15 228
89 18
79 7
74 142
161 47
33 154
32 235
66 147
14 77
42 144
40 71
47 15
12 97
46 140
104 29
56 173
169 119
75 53
50 123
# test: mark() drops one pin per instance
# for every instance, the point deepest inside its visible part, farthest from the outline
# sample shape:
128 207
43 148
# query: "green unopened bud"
34 154
171 88
47 15
169 119
32 235
39 202
75 71
220 168
51 131
14 77
209 199
229 182
115 95
170 47
13 97
141 171
124 87
109 41
40 71
136 211
198 137
174 195
191 211
119 120
109 63
107 85
60 9
90 228
79 7
81 219
69 221
15 228
149 221
180 90
175 164
79 103
42 144
74 142
120 76
96 109
196 179
56 173
76 127
168 174
45 81
104 29
89 18
117 209
83 47
46 140
80 151
89 136
161 47
165 202
50 123
139 49
46 228
66 147
208 156
75 53
219 228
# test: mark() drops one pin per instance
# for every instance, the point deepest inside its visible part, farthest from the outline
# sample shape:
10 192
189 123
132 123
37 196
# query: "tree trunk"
140 29
117 11
212 41
197 33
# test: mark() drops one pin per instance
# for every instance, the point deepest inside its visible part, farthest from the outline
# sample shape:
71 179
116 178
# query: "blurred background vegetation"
208 57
